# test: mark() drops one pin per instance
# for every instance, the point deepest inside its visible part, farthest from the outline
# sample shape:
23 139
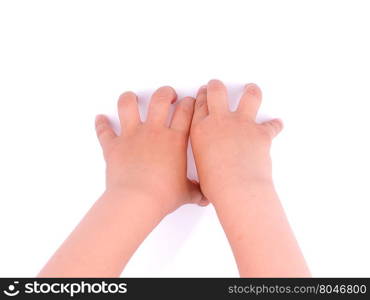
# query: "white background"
63 62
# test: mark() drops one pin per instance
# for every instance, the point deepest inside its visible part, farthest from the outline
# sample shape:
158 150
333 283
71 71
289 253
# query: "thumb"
196 195
273 127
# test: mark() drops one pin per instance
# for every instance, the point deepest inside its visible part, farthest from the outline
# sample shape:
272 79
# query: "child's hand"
230 148
149 158
232 156
146 179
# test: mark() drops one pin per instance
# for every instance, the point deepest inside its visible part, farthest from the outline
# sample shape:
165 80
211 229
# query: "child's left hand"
149 158
145 181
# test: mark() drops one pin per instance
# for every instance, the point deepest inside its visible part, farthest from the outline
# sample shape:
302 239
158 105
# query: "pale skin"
146 180
232 158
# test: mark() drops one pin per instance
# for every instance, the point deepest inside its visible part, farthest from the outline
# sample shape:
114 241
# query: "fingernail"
98 118
251 88
203 88
203 202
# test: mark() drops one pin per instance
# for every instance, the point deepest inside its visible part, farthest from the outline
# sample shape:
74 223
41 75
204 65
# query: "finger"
200 107
217 100
183 114
273 127
104 130
250 101
203 202
196 195
160 104
128 111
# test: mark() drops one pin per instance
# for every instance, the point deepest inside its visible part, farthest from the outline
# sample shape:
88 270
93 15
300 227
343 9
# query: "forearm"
106 238
259 233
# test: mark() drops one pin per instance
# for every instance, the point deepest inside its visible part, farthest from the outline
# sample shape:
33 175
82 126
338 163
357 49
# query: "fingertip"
279 120
202 90
193 181
167 91
127 94
126 98
215 85
188 102
217 98
274 126
160 104
250 85
181 119
203 202
196 195
100 118
280 124
253 89
104 130
169 88
250 101
214 81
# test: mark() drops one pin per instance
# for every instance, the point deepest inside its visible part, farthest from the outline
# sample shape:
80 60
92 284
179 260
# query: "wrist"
231 193
136 200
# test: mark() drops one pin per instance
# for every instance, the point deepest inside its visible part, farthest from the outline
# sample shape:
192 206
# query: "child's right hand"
230 148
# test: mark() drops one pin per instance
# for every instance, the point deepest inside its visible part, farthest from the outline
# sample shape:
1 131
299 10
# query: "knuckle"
264 132
200 103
